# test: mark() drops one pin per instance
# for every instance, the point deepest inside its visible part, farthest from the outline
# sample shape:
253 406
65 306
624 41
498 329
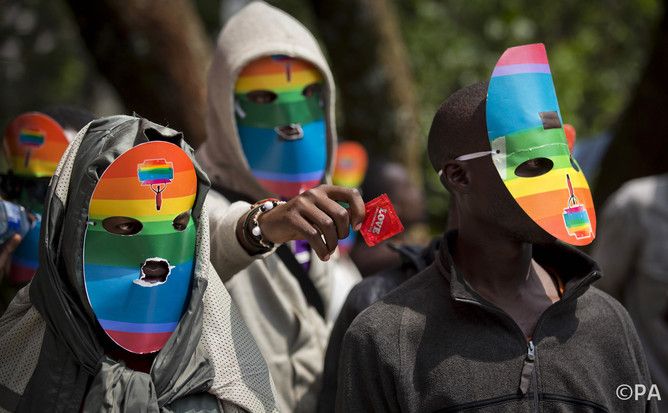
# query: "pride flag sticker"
30 138
157 174
576 218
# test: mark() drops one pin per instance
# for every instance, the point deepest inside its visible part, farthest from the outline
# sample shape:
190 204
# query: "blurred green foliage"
597 49
43 61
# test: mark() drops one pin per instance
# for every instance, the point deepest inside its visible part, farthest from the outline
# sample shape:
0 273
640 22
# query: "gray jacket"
433 344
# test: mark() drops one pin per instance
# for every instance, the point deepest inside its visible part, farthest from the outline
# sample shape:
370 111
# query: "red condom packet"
381 221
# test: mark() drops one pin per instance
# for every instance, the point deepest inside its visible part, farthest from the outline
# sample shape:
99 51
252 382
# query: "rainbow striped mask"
34 144
139 246
281 123
530 150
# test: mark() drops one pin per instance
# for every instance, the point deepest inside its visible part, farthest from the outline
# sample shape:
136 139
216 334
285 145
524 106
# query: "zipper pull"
531 351
527 368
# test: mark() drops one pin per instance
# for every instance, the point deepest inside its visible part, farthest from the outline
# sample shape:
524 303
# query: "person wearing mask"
126 312
269 152
33 143
506 318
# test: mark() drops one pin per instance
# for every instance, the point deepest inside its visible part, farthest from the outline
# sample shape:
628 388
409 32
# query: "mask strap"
469 156
473 155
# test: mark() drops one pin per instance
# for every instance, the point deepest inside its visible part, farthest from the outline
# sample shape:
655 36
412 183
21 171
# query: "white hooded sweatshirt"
290 333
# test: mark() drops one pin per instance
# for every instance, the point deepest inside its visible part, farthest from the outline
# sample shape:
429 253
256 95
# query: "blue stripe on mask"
132 300
267 153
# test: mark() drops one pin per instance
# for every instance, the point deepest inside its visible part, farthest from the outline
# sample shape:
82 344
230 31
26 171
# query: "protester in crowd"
271 139
505 319
125 312
632 250
32 146
391 178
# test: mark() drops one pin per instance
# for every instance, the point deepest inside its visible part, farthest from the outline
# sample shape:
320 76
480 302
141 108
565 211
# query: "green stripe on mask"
149 228
555 155
104 248
278 113
534 139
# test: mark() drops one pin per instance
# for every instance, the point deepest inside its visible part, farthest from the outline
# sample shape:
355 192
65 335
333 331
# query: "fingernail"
326 258
358 226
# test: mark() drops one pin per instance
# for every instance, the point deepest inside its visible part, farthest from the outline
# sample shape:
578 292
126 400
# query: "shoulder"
215 199
636 193
607 317
373 288
384 318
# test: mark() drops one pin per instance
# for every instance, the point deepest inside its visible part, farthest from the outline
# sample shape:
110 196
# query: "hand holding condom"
316 216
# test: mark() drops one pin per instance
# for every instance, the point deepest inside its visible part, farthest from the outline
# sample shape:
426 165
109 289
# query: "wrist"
249 233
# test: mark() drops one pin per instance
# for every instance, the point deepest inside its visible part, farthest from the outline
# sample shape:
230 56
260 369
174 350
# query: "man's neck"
501 271
492 262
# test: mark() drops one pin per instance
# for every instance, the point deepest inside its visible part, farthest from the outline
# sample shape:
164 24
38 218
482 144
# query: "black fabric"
311 294
72 359
8 399
307 286
433 344
371 289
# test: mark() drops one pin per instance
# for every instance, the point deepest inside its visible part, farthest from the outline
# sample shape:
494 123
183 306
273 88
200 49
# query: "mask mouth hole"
291 132
154 271
534 167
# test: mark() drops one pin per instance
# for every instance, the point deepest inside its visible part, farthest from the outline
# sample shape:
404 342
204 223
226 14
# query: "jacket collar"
574 268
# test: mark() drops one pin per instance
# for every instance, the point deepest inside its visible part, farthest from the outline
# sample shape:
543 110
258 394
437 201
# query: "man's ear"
456 176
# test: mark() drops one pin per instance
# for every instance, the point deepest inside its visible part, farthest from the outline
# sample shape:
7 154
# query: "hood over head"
258 30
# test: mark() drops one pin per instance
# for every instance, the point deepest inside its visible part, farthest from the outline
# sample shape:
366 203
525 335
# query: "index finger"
354 200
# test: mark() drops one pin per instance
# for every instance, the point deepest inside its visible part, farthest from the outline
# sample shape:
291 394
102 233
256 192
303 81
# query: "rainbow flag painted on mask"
156 173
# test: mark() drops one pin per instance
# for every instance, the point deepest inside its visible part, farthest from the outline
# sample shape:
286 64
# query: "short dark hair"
459 126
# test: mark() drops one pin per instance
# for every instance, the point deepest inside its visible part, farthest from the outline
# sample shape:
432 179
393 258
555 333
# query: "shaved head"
459 126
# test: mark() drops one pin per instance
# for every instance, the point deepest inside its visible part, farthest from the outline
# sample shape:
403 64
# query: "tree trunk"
373 76
155 53
640 143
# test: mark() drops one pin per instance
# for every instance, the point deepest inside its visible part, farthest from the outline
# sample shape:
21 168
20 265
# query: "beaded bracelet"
252 226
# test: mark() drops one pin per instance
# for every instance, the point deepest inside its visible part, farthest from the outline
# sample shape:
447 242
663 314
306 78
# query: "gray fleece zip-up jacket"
434 344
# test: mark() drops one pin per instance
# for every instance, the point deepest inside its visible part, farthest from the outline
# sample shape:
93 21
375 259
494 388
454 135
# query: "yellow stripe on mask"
144 208
551 181
277 82
36 167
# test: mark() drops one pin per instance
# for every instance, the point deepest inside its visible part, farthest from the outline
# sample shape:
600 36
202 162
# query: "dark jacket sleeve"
348 313
366 371
635 349
638 353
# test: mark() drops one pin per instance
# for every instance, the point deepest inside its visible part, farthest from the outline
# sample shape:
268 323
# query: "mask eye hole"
312 90
550 120
122 225
534 167
181 221
261 96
